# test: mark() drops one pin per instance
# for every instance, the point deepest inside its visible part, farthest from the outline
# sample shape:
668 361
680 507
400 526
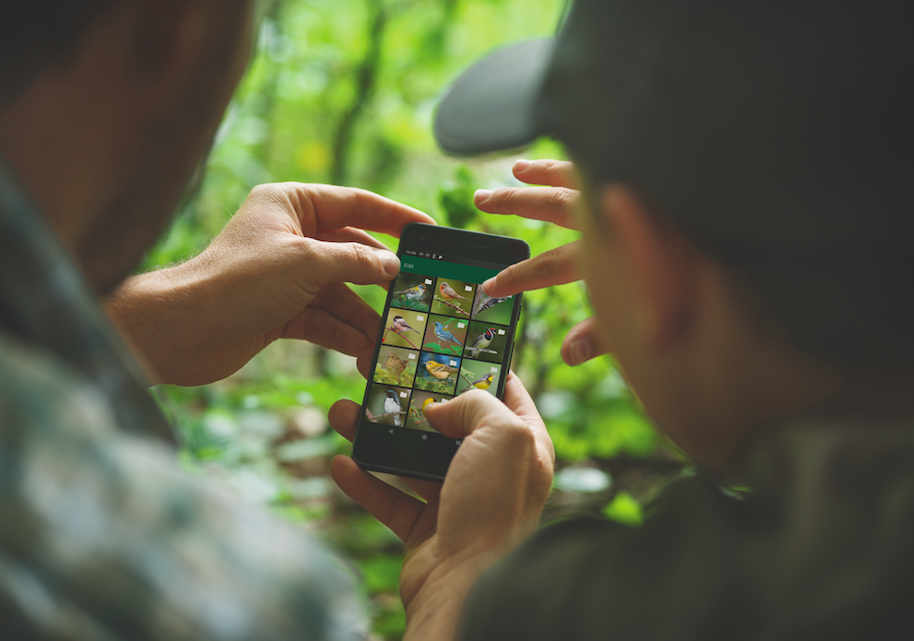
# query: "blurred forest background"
343 92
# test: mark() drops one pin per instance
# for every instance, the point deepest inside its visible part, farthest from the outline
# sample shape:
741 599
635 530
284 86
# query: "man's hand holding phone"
278 270
555 203
491 499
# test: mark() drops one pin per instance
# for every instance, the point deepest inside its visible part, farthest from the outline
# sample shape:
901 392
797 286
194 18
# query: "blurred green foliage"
624 509
456 198
343 91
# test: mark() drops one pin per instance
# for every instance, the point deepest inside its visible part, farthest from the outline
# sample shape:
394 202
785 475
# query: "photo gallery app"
442 337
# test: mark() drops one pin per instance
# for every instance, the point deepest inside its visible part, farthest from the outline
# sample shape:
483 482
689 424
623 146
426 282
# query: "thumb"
469 412
329 262
477 410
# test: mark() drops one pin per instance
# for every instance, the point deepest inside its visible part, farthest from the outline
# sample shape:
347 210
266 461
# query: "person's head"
106 108
747 166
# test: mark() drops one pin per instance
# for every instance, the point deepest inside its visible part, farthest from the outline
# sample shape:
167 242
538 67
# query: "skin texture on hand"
277 270
554 203
490 501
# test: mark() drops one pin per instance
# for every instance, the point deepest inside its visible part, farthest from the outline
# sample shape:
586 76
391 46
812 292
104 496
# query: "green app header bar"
442 269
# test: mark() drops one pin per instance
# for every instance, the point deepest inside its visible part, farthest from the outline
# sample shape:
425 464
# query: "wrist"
151 311
433 610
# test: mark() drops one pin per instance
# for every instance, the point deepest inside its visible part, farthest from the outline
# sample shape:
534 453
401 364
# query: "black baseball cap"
773 124
34 33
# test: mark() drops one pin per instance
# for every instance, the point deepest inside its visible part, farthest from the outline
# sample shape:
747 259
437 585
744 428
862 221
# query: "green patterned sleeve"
104 537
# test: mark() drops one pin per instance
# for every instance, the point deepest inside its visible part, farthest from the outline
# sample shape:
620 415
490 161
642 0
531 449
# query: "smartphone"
440 336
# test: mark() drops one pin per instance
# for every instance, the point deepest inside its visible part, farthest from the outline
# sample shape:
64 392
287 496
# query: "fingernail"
522 165
486 285
389 262
582 350
482 195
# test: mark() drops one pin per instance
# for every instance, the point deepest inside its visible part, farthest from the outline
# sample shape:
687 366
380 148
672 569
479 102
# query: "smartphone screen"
440 337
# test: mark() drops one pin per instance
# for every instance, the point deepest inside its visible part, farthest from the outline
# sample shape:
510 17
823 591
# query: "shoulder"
115 535
39 394
586 578
821 549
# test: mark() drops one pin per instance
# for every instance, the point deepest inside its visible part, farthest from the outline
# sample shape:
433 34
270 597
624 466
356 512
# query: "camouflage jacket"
102 536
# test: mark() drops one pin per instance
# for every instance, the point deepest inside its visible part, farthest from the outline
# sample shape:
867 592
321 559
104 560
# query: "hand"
491 499
277 270
558 266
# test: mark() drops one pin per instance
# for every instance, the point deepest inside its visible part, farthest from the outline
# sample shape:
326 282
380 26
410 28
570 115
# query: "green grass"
429 384
404 303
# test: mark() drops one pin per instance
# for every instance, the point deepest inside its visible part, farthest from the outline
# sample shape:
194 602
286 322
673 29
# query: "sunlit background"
343 92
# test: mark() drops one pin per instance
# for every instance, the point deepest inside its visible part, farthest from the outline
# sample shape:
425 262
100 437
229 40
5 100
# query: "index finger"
552 204
556 173
554 267
349 235
327 207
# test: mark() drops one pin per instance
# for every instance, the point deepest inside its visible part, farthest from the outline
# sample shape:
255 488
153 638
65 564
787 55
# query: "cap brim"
490 107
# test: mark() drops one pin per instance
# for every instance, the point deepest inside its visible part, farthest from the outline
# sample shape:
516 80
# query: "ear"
661 266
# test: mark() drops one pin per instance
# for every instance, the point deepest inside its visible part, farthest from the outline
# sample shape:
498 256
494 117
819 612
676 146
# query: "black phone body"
440 336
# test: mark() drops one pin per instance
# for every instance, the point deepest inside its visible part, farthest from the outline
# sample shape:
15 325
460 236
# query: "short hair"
35 33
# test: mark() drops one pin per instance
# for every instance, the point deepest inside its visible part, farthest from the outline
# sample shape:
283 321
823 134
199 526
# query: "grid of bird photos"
441 338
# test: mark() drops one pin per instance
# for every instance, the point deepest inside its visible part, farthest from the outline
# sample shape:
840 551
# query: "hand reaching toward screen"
277 270
554 203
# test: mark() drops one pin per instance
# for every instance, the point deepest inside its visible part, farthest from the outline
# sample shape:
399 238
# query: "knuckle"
551 165
268 193
560 198
519 429
545 265
503 196
557 167
263 191
519 434
364 256
307 253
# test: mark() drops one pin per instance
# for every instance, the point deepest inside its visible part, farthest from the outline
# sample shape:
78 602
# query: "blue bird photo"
444 334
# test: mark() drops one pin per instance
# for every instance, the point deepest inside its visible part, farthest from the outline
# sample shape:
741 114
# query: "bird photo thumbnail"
404 328
486 342
396 366
437 373
492 310
453 297
445 335
417 404
478 375
387 405
412 291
